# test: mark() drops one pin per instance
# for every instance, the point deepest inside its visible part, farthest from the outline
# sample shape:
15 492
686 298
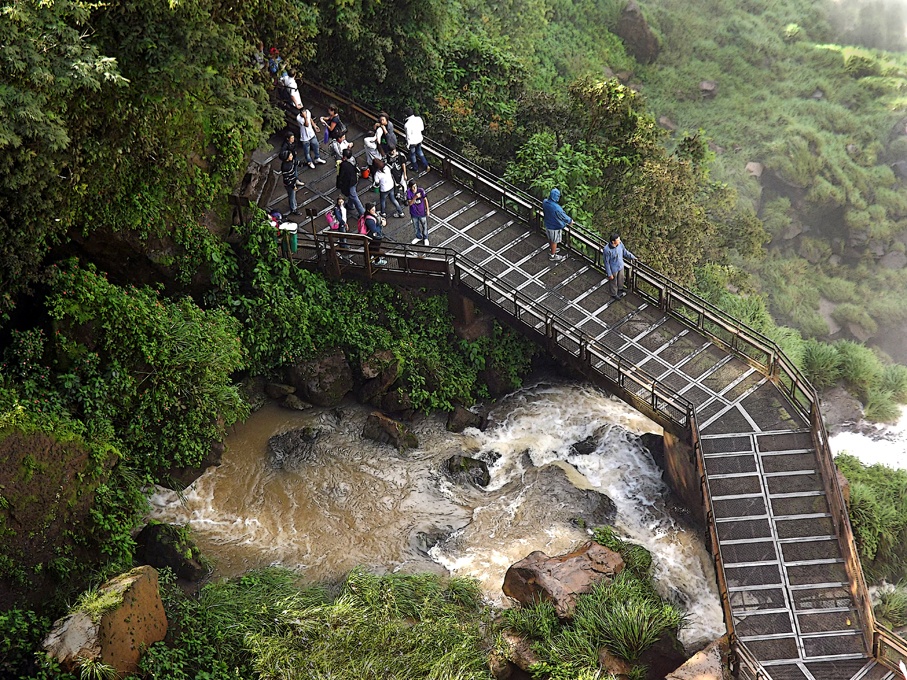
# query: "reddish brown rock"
614 665
121 634
636 34
324 381
519 651
561 579
386 430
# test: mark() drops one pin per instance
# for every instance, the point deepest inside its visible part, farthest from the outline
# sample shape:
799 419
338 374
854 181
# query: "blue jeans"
311 150
415 151
420 224
354 199
291 194
384 197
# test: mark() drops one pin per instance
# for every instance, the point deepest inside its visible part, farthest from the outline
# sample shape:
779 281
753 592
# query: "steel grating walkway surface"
786 581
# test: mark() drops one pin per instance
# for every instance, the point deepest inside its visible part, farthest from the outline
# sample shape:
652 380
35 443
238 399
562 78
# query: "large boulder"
707 664
664 656
390 368
518 651
466 470
164 545
560 579
128 617
323 381
461 418
636 34
385 430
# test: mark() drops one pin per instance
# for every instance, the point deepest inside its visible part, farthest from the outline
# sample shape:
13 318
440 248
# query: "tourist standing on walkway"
613 255
385 181
347 176
419 211
334 126
414 127
288 81
555 220
289 144
384 131
374 224
372 154
289 171
308 138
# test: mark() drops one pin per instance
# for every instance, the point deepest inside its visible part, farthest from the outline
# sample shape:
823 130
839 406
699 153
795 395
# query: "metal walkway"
795 603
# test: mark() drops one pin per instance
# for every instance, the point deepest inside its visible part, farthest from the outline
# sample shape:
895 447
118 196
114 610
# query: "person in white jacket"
414 127
385 181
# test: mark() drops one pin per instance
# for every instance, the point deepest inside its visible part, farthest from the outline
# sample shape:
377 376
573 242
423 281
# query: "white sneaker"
415 241
320 161
557 258
425 242
380 262
312 165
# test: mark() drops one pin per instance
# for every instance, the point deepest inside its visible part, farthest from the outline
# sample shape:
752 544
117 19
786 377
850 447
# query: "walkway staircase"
796 606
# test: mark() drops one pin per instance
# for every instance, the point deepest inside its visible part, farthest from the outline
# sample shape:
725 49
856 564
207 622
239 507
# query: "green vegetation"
625 615
891 609
263 624
878 514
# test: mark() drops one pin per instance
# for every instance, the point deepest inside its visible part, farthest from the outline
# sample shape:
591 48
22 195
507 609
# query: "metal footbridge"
795 603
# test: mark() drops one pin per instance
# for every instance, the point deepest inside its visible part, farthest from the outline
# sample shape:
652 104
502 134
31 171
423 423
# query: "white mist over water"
886 446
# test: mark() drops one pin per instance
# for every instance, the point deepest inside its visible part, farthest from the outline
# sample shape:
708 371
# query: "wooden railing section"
637 387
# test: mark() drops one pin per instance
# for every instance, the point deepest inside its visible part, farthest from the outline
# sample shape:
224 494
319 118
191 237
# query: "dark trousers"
617 284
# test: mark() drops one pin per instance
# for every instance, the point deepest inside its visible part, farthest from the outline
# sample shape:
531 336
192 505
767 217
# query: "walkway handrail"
682 304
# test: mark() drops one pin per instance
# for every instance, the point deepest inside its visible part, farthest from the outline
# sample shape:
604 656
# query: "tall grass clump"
821 363
878 514
891 608
537 620
880 406
894 380
860 367
264 624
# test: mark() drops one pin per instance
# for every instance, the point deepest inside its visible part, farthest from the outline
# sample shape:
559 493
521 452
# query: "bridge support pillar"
682 475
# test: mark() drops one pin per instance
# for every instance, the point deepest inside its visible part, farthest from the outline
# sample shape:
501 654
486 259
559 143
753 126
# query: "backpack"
339 129
363 229
332 221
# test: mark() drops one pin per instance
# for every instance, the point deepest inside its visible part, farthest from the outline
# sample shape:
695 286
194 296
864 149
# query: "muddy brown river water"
346 501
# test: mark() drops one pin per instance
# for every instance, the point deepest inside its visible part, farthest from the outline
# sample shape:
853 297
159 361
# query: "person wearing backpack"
419 211
374 224
397 165
347 177
384 131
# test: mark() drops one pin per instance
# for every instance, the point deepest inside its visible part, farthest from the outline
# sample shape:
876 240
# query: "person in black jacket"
374 223
347 177
289 171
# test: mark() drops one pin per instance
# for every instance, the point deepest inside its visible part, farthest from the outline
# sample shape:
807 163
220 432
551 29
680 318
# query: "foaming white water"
886 446
543 422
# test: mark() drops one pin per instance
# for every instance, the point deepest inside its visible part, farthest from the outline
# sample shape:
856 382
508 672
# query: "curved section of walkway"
795 602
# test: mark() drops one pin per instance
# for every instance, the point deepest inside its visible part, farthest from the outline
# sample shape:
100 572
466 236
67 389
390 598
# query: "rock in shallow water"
289 449
466 470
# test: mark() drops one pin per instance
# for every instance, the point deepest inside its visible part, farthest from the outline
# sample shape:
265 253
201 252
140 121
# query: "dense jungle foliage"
127 316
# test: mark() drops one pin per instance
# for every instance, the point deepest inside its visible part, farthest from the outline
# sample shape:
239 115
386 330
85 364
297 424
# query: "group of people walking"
387 168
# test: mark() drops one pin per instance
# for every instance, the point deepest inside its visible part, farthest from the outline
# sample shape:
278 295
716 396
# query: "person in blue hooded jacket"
555 220
613 255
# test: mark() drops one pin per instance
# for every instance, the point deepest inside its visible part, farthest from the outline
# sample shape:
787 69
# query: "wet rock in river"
289 449
461 418
294 403
559 580
323 381
466 470
385 430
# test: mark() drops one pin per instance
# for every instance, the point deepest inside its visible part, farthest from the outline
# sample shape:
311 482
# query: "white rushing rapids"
352 501
886 445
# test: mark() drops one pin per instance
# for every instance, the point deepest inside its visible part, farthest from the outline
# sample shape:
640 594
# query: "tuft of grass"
821 363
891 609
860 367
894 380
538 620
96 603
880 406
636 559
